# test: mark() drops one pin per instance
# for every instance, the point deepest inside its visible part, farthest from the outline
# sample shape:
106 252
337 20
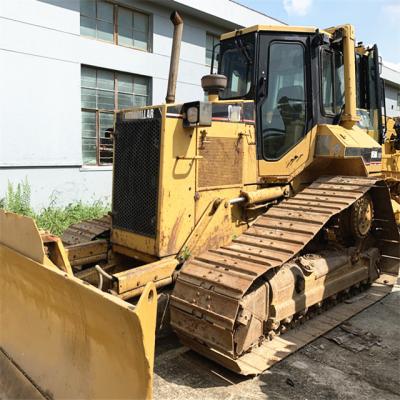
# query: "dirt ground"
357 360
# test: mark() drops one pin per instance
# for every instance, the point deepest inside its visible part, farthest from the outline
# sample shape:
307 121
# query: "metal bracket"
189 158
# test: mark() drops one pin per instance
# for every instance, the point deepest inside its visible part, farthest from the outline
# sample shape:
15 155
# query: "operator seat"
291 106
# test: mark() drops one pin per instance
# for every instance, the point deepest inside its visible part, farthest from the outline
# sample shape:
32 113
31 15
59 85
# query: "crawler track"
273 351
208 295
86 231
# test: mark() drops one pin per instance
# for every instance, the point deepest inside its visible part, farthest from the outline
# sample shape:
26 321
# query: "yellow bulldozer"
257 213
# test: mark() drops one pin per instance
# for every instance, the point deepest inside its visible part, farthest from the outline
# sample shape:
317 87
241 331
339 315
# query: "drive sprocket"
361 217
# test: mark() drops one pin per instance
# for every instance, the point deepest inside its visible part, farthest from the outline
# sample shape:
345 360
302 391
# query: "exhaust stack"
177 20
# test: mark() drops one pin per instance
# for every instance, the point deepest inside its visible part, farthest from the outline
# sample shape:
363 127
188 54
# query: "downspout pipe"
177 20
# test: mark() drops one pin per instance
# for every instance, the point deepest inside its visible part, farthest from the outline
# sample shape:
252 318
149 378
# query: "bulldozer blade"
64 337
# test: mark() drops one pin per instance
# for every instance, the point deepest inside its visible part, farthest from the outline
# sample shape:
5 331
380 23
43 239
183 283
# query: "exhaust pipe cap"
175 18
214 83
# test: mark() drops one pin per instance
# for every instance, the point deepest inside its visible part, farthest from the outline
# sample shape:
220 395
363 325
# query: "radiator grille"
136 170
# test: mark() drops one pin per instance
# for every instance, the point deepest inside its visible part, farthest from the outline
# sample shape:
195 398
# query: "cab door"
284 105
369 93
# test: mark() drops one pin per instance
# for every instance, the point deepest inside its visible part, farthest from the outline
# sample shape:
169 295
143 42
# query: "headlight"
192 115
196 113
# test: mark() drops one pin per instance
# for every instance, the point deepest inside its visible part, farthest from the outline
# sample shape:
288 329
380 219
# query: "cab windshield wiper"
239 44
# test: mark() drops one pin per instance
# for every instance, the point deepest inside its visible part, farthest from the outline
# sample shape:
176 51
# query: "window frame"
116 7
306 85
99 111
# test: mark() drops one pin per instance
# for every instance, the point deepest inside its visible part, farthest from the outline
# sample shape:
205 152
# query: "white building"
67 65
391 75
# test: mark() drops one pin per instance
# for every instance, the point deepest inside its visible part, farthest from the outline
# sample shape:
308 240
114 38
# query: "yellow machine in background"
391 163
253 211
371 109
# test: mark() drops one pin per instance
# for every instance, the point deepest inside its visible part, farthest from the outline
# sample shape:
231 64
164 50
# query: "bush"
53 218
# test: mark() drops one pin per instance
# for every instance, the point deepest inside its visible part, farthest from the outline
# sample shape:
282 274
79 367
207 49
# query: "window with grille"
103 93
112 23
211 41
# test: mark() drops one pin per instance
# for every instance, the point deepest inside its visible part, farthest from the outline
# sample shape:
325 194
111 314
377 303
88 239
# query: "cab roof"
272 28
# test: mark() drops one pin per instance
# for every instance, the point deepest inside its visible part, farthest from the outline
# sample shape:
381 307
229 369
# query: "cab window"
283 113
237 65
332 82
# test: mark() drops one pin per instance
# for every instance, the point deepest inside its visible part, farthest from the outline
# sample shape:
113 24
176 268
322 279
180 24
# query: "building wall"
392 93
392 90
41 53
62 185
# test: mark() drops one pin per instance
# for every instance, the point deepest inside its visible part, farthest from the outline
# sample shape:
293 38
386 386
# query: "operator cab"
296 78
278 82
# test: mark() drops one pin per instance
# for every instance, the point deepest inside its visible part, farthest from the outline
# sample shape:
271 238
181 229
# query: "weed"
18 200
57 219
185 254
53 218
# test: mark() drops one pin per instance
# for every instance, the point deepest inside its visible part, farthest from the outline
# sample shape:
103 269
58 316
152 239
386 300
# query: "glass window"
125 27
97 21
211 41
140 40
105 11
106 123
105 79
327 82
237 66
140 22
103 93
140 86
332 71
88 8
125 83
89 137
125 91
365 120
132 91
97 88
133 29
88 27
339 81
88 77
398 101
283 113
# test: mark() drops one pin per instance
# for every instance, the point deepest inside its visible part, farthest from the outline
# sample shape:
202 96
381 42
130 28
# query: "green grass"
53 218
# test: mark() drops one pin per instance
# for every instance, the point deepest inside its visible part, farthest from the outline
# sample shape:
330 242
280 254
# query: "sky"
375 21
